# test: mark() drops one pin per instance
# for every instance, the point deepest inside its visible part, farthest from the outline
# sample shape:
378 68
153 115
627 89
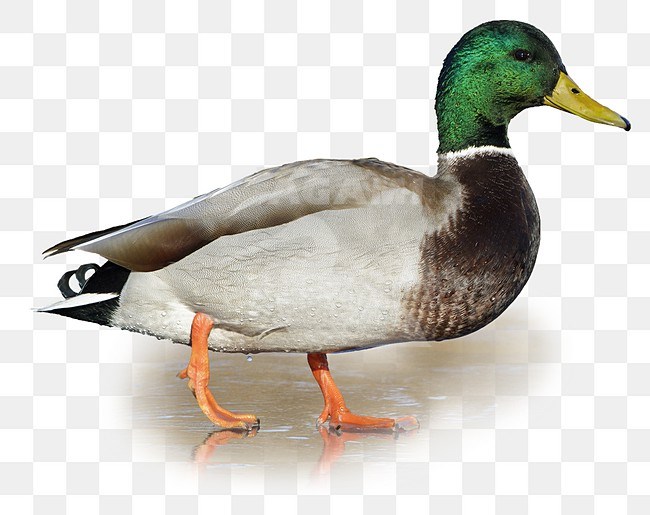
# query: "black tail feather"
80 275
109 278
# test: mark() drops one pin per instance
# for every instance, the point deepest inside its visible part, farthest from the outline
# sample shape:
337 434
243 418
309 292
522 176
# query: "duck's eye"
522 55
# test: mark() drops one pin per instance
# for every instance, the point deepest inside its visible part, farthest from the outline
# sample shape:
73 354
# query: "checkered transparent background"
111 110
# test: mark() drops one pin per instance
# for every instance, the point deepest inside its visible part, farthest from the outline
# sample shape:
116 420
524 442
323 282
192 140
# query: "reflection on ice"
477 382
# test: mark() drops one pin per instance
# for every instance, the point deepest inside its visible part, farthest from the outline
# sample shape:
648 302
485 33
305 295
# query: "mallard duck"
328 255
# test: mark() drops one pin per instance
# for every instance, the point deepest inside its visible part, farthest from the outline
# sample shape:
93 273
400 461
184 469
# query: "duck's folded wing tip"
80 241
59 248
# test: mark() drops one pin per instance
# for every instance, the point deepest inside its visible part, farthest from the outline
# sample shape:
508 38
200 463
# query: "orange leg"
198 372
338 413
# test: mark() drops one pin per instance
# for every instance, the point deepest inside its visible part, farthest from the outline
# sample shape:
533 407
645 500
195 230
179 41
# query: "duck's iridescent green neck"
468 114
461 127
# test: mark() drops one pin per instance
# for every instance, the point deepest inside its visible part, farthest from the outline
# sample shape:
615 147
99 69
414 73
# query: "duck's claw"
323 417
198 373
407 423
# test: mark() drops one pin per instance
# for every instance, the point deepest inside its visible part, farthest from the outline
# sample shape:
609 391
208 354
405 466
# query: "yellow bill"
567 96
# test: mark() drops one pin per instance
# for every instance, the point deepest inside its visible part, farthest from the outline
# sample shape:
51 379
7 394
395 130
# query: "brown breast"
474 266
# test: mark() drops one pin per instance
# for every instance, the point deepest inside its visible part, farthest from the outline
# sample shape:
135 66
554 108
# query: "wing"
267 198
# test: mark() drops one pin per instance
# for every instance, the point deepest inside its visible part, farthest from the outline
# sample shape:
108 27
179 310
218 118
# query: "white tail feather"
80 300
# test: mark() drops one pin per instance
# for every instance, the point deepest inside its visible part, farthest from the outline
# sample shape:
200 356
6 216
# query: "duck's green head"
494 72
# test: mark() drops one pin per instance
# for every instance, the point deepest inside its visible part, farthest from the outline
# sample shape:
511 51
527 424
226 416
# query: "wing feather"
268 198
